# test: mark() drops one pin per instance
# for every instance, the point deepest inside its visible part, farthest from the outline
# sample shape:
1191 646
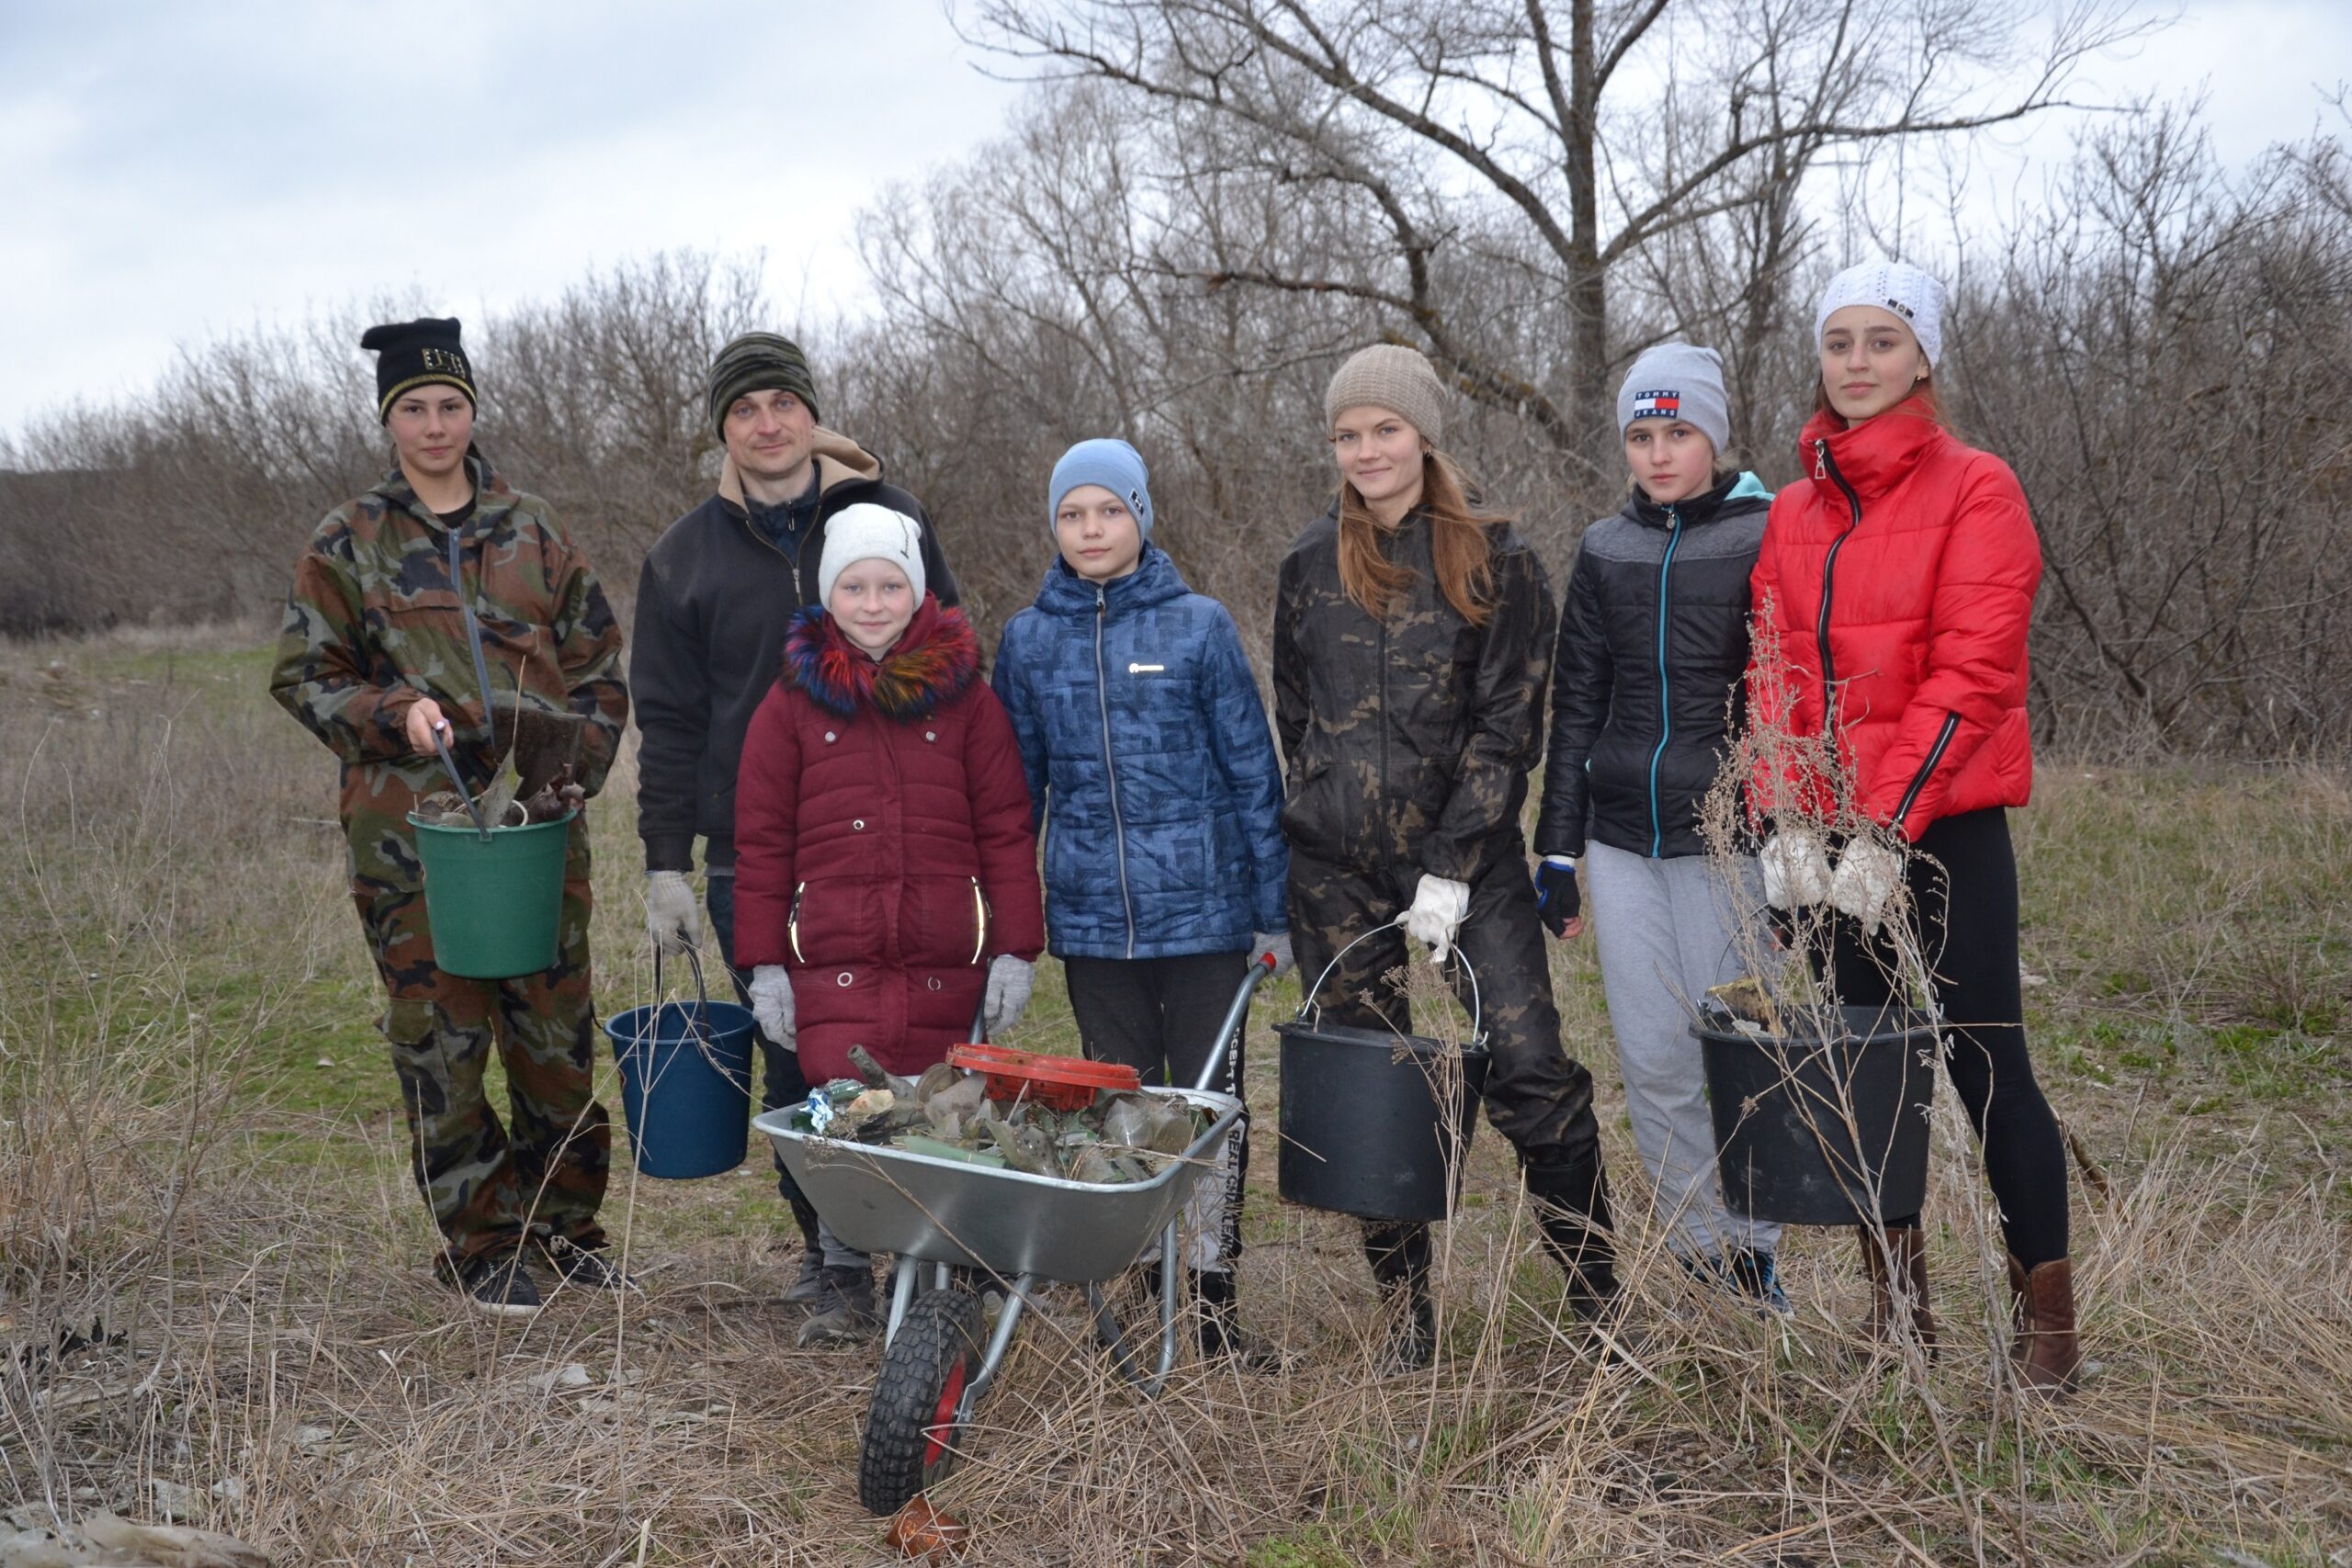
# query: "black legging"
1964 884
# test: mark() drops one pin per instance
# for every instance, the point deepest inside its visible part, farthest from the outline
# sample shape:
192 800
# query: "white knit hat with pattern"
1911 294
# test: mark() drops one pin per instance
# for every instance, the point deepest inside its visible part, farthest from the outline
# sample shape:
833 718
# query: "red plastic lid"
1002 1061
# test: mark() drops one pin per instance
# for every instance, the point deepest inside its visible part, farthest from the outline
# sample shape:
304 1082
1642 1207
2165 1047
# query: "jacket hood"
933 663
1155 581
1874 456
839 460
491 493
1733 497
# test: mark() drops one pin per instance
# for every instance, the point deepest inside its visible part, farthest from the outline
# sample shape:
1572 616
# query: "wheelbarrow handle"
1478 1012
1260 967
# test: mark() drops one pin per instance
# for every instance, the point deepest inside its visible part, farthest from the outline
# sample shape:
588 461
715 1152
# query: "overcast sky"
171 171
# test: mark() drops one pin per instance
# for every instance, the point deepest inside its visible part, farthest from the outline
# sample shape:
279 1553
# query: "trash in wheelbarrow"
1113 1137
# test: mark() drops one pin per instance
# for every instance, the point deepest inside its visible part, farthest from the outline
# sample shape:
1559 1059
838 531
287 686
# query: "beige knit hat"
1390 376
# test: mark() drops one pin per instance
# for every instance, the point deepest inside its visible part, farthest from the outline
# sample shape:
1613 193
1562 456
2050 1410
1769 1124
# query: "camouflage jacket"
374 622
1409 739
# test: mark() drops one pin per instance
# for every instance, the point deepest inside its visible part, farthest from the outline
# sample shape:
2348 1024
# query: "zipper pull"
1820 459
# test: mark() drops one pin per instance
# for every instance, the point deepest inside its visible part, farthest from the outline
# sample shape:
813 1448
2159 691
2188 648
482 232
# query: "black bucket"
1364 1127
1366 1124
1809 1131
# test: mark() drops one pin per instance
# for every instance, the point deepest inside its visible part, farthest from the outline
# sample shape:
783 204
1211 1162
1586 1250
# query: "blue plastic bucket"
685 1085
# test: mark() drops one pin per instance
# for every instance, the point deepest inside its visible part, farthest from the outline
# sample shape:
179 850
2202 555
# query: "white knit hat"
1899 286
868 532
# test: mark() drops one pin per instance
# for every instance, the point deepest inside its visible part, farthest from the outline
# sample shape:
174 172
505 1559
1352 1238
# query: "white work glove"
1867 876
1796 870
1277 943
770 989
672 918
1438 904
1008 993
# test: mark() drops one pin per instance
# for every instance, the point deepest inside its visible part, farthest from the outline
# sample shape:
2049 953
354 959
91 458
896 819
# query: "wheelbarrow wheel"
912 1432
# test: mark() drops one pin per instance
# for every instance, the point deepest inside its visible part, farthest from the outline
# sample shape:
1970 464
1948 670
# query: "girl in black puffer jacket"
1653 644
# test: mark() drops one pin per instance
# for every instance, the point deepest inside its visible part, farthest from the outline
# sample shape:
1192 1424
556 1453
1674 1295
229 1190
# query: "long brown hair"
1458 545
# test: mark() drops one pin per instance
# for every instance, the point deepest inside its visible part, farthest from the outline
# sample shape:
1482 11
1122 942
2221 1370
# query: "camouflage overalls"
1408 741
373 623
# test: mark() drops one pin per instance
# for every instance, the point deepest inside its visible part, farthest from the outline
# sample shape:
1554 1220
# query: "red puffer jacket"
884 853
1902 579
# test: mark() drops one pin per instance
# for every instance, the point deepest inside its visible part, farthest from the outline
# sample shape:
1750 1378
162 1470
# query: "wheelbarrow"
939 1216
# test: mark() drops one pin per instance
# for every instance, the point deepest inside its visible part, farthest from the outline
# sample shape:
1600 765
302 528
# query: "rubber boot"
1902 1290
807 1288
2047 1354
1399 1253
1572 1210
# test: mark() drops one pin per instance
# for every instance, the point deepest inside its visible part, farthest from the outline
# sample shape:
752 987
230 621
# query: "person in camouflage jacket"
374 630
1408 725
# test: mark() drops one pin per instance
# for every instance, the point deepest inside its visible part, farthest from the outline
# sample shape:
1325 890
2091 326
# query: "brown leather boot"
2020 1310
1904 1290
2045 1349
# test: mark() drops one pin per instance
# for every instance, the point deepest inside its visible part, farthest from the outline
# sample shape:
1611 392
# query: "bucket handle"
482 825
693 962
1478 1012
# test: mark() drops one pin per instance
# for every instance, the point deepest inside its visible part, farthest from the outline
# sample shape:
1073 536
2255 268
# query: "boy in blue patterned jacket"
1151 764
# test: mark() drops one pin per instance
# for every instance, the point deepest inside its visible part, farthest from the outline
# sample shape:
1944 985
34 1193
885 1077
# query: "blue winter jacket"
1150 763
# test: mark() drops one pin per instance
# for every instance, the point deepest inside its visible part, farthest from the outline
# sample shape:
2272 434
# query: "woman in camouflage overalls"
1412 643
375 659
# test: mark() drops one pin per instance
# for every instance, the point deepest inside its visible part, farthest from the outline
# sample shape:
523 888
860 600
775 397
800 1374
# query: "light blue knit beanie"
1105 461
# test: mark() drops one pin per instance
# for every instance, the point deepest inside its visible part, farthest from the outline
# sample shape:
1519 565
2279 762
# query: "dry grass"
178 1167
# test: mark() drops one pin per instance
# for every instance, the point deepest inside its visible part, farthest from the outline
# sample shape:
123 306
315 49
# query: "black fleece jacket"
713 604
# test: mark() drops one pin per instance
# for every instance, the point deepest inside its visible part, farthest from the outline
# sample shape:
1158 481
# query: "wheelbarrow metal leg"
999 1342
903 1297
1113 1334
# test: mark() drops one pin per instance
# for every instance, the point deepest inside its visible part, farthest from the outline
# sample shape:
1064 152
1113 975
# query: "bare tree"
1560 140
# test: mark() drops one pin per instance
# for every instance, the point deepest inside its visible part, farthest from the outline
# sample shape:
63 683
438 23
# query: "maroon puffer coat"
884 852
1900 581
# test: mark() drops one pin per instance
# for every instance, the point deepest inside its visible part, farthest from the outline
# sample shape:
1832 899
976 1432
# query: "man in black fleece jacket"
718 589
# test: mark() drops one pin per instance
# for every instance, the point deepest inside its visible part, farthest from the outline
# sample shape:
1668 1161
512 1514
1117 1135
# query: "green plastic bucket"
493 905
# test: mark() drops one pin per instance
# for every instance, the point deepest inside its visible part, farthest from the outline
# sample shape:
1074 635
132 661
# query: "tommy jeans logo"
1657 405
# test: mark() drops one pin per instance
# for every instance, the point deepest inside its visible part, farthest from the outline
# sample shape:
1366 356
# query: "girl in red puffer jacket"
1898 585
886 873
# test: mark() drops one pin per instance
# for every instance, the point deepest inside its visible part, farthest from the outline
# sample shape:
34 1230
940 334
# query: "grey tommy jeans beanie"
1390 376
1677 380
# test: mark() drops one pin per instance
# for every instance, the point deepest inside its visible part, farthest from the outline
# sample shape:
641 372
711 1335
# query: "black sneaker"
585 1267
498 1284
1755 1276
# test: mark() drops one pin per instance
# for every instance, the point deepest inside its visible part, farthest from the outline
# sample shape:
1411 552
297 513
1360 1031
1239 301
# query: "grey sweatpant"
1663 930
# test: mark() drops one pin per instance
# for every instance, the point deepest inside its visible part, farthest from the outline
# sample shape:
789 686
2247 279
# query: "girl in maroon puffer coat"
1898 585
886 872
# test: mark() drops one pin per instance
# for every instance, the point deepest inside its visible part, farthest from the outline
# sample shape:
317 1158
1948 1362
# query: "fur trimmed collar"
935 662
